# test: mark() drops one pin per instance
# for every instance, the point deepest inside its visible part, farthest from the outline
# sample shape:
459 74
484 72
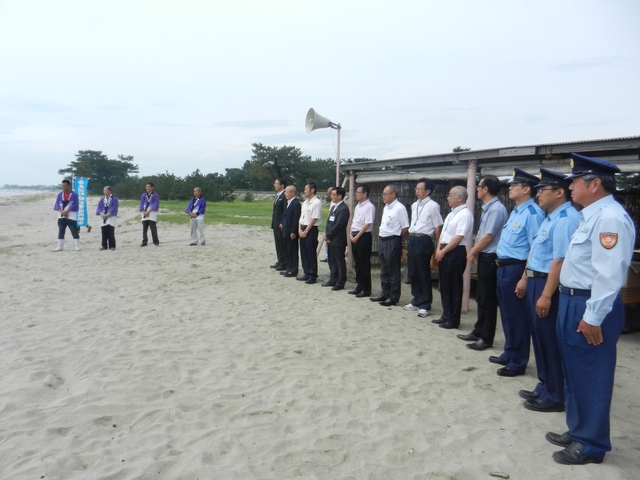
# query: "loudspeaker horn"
315 121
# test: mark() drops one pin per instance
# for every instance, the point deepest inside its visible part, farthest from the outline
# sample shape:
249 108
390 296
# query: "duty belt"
503 262
574 291
534 274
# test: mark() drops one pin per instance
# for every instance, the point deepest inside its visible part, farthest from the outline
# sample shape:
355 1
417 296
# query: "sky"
190 84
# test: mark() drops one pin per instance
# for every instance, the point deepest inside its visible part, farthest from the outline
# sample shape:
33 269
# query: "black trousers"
337 266
420 250
450 276
281 255
308 247
291 251
390 252
487 298
63 223
362 262
108 236
154 232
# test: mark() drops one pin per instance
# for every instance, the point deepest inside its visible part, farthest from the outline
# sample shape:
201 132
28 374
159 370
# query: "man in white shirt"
424 231
394 225
361 241
310 220
451 256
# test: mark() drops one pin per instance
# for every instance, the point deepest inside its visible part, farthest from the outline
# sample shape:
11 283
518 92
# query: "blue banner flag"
81 187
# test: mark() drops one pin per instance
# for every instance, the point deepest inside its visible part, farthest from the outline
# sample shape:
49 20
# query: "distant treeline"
257 174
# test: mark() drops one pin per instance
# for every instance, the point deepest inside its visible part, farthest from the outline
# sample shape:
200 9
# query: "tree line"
256 174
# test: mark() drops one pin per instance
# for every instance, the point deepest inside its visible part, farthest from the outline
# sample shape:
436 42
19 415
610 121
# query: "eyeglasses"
480 186
550 189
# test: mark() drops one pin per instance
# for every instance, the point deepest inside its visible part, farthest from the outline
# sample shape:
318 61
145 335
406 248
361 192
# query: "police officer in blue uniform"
542 277
590 311
513 251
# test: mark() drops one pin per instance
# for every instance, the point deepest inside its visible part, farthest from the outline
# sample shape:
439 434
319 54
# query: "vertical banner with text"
81 187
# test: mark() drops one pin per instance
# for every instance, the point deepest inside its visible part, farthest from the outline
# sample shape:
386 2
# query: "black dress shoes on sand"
439 321
387 303
529 395
479 345
447 325
469 337
328 284
362 294
572 455
353 292
538 405
379 298
497 360
507 372
560 439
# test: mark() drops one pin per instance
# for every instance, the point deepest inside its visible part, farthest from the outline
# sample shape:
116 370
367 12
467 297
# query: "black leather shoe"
289 274
353 292
379 298
281 269
497 360
275 265
529 395
469 337
362 294
311 281
324 260
560 439
439 321
479 345
304 278
507 372
572 455
328 284
387 303
448 325
336 288
538 406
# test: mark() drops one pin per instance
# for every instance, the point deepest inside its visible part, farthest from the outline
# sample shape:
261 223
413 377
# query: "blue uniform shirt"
518 232
493 217
599 256
552 239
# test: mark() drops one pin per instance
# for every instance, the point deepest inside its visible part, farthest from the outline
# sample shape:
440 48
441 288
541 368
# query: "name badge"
332 218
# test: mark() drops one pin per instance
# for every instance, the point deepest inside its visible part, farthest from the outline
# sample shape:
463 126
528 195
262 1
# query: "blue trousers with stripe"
545 345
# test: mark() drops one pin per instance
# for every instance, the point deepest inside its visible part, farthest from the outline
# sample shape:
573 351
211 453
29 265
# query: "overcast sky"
190 84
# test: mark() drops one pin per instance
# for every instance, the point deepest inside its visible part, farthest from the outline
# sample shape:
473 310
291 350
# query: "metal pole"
338 158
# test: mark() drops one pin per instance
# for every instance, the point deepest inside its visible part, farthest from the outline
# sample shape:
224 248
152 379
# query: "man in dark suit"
335 235
279 206
290 221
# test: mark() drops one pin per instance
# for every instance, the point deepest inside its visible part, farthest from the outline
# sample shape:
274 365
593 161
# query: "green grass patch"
255 214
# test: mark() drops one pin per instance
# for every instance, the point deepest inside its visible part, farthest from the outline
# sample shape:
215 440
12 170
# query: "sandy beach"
179 362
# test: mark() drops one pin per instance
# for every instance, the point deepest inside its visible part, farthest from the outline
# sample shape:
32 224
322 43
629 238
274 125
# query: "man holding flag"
67 205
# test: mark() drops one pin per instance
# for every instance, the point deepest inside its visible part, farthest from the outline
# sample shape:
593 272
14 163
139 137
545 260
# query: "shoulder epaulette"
532 210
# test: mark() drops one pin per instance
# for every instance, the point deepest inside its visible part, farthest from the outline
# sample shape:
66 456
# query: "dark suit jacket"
279 206
291 218
336 230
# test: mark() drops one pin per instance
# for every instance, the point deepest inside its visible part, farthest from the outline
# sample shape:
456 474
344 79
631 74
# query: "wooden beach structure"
467 167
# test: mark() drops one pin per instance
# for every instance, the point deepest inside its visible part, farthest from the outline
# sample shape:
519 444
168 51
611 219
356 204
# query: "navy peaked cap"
520 176
549 177
581 165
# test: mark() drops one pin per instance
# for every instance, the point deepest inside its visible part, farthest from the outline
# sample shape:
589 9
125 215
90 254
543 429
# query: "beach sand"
179 362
